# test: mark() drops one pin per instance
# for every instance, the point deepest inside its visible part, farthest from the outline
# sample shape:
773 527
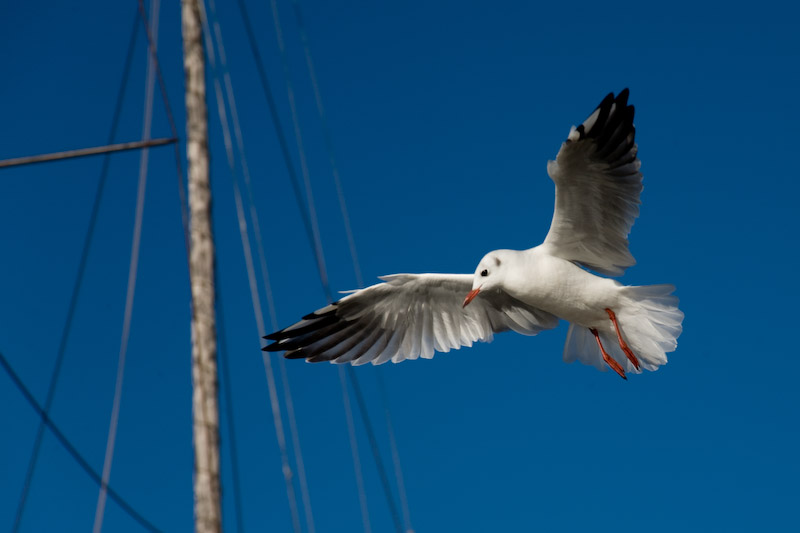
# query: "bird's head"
489 275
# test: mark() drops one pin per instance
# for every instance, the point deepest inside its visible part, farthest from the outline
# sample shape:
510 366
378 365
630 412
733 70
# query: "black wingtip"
274 347
621 99
607 101
295 354
610 125
276 336
317 314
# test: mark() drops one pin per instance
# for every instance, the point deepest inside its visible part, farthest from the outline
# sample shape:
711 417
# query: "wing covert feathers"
598 184
406 317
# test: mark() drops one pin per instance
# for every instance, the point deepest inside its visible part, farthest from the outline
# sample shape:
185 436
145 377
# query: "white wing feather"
598 184
408 316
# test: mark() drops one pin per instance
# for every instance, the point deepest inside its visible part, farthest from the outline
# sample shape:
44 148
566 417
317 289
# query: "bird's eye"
484 273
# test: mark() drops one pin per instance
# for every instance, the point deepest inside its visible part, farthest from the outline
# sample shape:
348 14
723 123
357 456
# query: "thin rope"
298 454
287 395
298 135
398 470
308 219
259 316
328 137
76 288
162 86
326 132
227 392
351 430
132 271
315 228
71 449
273 397
315 243
373 442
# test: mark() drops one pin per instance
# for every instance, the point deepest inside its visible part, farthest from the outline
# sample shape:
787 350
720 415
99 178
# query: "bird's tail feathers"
650 322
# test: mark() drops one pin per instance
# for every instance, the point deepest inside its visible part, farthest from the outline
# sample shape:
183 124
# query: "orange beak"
471 296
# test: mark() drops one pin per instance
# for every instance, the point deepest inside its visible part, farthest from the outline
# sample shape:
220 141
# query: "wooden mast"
207 508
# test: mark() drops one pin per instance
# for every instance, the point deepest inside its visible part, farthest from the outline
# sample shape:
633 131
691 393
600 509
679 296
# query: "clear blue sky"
443 116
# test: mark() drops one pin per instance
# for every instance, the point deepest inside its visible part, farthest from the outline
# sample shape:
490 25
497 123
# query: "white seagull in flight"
627 328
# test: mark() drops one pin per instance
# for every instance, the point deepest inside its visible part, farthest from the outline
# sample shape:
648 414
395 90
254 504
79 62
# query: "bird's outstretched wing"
598 184
408 316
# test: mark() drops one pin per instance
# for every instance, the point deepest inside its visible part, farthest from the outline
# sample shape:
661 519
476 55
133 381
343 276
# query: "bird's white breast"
562 288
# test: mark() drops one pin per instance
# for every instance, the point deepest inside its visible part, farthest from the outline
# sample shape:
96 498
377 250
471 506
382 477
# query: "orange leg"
607 358
622 344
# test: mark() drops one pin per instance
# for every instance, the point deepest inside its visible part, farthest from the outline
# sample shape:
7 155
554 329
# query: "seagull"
625 328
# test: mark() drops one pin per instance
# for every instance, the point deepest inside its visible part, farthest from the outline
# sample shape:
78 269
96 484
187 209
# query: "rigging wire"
173 128
76 288
398 470
353 254
351 431
315 243
315 229
307 218
375 451
351 242
328 137
259 316
326 132
298 454
298 137
132 272
71 449
315 226
227 392
294 433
